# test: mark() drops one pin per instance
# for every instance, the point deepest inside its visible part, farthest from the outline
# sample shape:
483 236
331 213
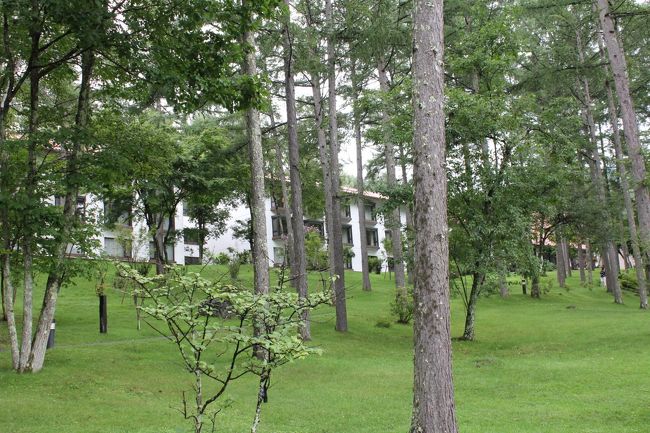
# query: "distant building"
124 236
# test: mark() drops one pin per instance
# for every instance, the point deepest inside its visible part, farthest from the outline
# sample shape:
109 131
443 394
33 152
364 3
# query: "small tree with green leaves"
259 333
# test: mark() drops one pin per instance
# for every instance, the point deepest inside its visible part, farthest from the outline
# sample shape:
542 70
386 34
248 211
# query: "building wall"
226 241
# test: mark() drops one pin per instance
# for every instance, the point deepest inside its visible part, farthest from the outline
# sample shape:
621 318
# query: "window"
347 235
346 212
279 226
186 209
372 238
371 212
80 211
278 256
192 260
113 248
191 236
314 225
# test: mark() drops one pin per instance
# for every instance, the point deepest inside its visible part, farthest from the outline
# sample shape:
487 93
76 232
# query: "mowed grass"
572 362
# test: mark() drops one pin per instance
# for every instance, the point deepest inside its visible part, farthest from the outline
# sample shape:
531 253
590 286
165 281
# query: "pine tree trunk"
409 222
618 65
560 263
567 257
394 222
625 189
337 236
299 266
597 180
279 162
581 264
257 202
361 206
590 264
433 391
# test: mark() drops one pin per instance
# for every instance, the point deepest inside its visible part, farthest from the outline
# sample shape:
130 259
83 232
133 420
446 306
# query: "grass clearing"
537 367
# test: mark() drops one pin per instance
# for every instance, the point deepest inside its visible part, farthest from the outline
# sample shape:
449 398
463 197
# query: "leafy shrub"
222 259
316 255
374 264
402 307
233 267
629 282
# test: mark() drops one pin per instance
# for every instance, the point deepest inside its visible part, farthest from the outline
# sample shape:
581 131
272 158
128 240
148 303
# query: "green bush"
222 259
233 267
402 307
629 282
314 249
374 264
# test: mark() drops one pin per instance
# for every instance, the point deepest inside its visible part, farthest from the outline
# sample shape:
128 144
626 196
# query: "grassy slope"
537 366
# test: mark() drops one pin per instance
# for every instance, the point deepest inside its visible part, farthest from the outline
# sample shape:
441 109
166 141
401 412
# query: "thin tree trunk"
37 356
394 222
361 206
625 189
590 264
503 284
567 256
597 179
299 266
409 222
433 390
581 264
30 188
256 159
279 162
630 126
535 292
337 236
560 263
470 314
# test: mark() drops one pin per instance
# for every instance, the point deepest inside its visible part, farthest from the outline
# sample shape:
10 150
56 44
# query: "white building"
186 251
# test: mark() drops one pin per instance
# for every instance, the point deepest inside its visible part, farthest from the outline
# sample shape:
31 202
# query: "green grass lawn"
572 362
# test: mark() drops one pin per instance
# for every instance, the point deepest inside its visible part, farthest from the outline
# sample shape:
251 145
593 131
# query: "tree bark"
639 267
560 262
279 162
30 188
257 205
37 356
361 206
299 266
597 179
630 127
409 222
433 392
393 220
581 264
323 151
337 236
470 314
590 263
567 256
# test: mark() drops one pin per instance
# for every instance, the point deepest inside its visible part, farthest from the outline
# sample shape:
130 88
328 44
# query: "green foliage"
181 304
374 264
315 251
402 306
629 282
233 267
